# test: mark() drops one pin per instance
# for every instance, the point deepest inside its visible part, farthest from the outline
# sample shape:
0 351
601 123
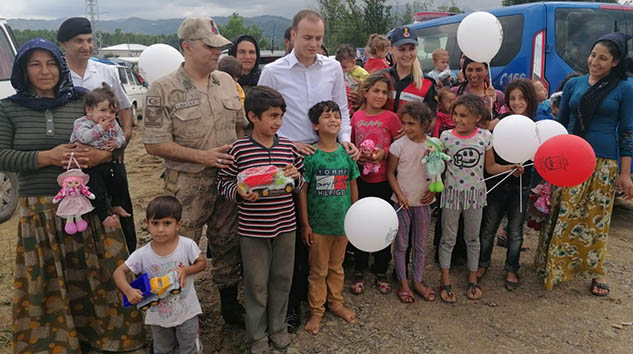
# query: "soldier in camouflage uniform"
191 117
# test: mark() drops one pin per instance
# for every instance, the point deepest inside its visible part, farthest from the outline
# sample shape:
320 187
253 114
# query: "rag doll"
73 200
435 165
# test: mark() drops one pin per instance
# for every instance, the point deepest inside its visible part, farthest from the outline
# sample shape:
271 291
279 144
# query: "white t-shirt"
172 310
411 173
96 74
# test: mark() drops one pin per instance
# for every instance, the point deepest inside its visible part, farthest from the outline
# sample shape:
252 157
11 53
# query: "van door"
7 56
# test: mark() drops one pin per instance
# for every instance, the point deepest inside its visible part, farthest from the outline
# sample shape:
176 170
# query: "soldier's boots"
232 311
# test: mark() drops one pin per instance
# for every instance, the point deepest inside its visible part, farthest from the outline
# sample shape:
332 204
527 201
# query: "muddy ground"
529 320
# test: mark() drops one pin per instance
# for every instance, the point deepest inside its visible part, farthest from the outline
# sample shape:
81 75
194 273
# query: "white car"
8 181
134 89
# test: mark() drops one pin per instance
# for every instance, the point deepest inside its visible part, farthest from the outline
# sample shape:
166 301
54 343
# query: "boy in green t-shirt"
330 176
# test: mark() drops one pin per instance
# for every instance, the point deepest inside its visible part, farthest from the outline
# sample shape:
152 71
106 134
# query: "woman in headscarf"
246 50
65 300
599 108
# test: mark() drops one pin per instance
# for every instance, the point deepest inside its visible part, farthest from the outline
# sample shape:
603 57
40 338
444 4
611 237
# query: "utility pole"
92 11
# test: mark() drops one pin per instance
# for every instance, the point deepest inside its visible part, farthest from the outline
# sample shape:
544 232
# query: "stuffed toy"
73 200
435 165
367 150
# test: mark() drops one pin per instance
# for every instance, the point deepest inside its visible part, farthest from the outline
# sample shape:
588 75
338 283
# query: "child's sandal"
358 285
450 296
471 293
383 285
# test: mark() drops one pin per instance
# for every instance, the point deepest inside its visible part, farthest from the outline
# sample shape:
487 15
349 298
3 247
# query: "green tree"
518 2
235 27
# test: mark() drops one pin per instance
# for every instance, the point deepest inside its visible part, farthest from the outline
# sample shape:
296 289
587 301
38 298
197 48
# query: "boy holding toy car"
173 316
260 179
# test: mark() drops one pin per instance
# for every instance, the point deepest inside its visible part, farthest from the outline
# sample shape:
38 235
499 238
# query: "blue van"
544 40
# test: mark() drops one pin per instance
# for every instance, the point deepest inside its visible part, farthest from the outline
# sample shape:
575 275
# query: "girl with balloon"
599 108
477 82
503 194
470 148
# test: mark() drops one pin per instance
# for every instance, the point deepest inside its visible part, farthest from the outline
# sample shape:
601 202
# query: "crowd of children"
326 183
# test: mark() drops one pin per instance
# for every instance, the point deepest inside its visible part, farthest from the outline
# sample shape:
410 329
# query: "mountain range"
269 24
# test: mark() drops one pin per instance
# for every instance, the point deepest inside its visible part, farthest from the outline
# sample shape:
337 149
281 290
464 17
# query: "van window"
6 56
122 75
445 36
130 77
575 34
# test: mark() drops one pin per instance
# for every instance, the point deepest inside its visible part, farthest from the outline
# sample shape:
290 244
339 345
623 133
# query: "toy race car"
154 289
265 181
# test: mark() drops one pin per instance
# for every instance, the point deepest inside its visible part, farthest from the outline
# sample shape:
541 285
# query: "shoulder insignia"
153 101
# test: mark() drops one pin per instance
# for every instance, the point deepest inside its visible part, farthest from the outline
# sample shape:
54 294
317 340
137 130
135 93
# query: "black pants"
108 182
382 258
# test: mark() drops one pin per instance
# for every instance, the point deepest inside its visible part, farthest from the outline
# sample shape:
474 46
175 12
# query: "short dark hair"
260 98
100 94
318 109
287 33
164 206
231 66
307 13
345 51
419 111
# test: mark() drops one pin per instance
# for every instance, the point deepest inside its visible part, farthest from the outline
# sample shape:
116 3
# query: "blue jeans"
504 200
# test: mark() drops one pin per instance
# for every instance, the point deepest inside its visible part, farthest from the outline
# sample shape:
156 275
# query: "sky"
161 9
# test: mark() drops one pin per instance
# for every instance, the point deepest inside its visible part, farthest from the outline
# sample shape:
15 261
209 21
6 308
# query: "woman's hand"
89 156
57 156
625 185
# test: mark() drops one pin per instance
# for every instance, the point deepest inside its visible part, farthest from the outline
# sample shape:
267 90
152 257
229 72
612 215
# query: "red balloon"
565 160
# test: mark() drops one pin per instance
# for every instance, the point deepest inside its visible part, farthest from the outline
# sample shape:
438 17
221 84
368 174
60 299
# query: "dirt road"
529 320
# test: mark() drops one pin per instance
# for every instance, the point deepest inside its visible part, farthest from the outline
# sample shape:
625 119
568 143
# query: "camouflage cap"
204 29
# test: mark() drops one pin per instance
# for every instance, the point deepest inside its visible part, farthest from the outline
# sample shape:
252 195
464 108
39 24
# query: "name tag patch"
187 104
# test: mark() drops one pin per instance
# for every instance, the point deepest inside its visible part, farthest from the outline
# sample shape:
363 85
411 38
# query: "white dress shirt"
303 87
98 73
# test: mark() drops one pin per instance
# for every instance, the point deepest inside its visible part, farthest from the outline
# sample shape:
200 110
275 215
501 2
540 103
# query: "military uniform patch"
187 104
154 116
176 96
153 101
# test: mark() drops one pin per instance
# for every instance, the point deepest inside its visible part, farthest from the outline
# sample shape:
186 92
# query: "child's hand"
110 145
291 171
379 155
402 200
134 296
308 236
104 123
182 275
519 170
428 197
248 196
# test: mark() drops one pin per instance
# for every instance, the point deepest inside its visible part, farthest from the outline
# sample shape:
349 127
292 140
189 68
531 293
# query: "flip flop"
429 295
358 285
470 293
406 297
449 294
599 285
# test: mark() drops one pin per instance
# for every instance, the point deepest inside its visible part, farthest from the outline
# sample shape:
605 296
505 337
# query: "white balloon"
549 128
158 60
371 224
515 139
479 36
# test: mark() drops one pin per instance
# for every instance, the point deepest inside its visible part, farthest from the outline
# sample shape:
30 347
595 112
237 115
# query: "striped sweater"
268 216
24 132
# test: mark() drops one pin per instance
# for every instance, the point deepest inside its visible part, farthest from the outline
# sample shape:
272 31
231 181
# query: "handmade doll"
435 165
367 150
73 200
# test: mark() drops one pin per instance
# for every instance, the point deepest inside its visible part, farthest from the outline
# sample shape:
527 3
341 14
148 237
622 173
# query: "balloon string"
521 194
397 210
504 178
492 115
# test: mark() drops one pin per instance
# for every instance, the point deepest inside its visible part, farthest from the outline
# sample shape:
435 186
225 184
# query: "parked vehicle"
8 181
543 41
